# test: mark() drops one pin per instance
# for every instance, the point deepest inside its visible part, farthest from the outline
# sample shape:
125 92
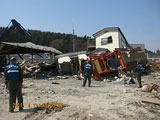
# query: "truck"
111 63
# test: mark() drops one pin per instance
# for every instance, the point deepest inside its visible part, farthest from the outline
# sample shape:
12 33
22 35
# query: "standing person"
13 81
139 70
88 74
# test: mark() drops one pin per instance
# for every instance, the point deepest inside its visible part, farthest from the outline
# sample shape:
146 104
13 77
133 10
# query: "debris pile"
150 88
29 67
155 75
156 65
38 70
154 91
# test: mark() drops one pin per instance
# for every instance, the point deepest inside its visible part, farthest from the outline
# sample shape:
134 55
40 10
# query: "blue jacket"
140 68
13 76
13 72
88 68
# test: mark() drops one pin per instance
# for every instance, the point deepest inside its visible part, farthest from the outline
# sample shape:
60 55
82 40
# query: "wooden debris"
150 100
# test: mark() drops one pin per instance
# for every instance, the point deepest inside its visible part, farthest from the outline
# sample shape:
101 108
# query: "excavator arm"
15 25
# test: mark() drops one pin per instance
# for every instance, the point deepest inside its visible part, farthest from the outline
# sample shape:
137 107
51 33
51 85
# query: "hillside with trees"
60 41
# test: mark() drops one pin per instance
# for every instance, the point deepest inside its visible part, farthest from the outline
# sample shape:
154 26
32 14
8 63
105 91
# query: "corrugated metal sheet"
73 54
18 48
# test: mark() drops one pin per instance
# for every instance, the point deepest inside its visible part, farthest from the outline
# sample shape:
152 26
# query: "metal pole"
51 57
32 58
9 58
73 40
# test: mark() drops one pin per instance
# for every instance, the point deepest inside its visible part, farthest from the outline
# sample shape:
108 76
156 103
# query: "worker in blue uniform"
13 81
139 70
88 74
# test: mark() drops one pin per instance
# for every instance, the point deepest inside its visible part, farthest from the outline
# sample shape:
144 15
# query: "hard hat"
13 60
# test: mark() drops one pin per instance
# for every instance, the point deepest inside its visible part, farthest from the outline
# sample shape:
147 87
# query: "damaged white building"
110 38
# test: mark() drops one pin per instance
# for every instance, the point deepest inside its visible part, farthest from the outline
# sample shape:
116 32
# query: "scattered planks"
150 100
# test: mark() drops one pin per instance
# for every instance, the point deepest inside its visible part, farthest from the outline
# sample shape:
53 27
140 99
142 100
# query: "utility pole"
73 40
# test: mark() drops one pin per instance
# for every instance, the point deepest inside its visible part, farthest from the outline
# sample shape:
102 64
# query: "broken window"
105 41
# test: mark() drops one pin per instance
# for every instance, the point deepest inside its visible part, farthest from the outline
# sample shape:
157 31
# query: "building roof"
72 54
108 30
24 48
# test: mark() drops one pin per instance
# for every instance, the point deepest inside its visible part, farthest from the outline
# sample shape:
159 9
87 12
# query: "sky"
139 20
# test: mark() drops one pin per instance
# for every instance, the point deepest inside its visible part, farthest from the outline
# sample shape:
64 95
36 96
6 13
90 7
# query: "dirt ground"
102 101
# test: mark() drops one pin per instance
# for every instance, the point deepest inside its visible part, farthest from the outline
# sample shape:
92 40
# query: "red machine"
118 60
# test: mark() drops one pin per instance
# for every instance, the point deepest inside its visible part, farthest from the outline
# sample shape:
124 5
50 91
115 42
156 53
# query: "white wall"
122 43
110 46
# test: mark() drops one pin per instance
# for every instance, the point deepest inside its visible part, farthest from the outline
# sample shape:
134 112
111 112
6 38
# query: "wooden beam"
20 56
39 55
150 100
